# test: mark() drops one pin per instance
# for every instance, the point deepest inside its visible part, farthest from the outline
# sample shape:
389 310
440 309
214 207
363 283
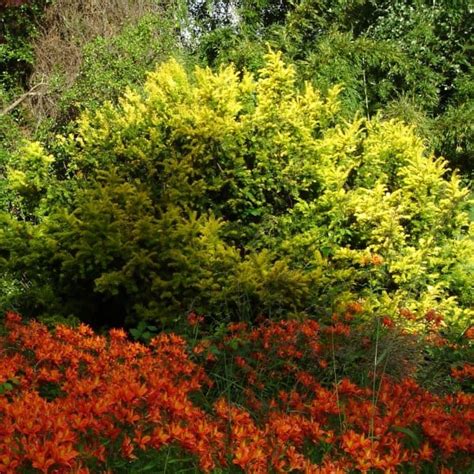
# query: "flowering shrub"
74 401
77 400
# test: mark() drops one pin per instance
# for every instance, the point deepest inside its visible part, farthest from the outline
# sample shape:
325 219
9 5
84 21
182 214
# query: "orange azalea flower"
250 456
39 456
323 363
338 329
355 307
376 259
296 460
141 440
446 470
194 319
466 372
127 448
407 314
11 318
159 437
242 456
425 453
237 327
346 387
117 334
63 453
434 317
353 441
388 322
8 463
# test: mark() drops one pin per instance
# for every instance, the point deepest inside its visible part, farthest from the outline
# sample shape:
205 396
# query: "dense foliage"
410 58
291 189
18 27
236 196
59 57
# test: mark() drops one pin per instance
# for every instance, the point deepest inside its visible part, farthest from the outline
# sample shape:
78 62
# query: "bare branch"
20 99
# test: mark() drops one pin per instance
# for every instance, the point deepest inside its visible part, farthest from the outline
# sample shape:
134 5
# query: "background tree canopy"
410 60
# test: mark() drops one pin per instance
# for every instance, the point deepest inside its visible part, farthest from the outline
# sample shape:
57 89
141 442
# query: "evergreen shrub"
235 195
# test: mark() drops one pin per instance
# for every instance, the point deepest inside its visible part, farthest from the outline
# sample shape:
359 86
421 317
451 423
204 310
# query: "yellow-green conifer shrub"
241 195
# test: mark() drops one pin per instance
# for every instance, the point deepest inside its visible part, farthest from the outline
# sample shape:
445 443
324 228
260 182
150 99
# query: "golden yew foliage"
116 399
297 208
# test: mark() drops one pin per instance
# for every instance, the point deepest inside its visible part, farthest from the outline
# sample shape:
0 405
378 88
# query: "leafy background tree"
410 59
60 57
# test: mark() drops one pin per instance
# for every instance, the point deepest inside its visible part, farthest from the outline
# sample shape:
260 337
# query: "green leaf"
325 251
383 355
410 433
149 467
214 350
234 344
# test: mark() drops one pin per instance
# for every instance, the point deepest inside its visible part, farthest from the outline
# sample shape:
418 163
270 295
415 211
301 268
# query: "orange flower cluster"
325 426
73 400
466 372
80 398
